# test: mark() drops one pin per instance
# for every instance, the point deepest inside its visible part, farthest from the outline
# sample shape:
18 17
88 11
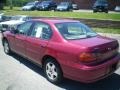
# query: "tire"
52 8
106 11
6 46
94 11
38 9
53 71
70 10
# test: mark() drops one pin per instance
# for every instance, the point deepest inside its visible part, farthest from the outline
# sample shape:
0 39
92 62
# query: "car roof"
55 20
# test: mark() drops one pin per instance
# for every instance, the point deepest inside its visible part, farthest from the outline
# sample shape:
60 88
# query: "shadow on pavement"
110 83
29 64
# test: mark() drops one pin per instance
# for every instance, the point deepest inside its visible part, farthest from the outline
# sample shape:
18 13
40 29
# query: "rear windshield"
64 3
45 2
101 2
74 30
31 3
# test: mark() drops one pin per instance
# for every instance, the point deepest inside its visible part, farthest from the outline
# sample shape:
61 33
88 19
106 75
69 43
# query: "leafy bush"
18 2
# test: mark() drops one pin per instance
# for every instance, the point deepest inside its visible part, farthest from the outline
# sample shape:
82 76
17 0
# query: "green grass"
107 30
85 15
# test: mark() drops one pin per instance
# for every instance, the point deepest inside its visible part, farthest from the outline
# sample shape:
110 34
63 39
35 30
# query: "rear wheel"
70 10
52 8
53 71
106 11
94 11
6 47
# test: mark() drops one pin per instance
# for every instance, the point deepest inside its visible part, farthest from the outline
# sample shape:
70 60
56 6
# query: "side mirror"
21 32
1 30
15 31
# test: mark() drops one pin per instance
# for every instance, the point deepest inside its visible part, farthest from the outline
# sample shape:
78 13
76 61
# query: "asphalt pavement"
17 73
89 10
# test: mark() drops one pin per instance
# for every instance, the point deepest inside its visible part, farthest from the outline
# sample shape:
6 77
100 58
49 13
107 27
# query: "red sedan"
64 48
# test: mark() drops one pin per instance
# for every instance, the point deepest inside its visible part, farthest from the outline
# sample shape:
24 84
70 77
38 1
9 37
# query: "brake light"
87 57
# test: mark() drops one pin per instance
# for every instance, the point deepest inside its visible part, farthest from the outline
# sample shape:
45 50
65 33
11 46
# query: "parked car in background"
1 16
13 22
100 6
46 5
8 25
21 17
4 17
64 6
75 6
30 6
64 48
117 8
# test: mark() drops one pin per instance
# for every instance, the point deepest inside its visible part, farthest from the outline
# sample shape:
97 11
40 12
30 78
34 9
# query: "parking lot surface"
85 10
17 73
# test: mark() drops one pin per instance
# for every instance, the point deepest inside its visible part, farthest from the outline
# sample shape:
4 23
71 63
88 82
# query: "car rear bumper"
100 9
41 8
61 9
90 74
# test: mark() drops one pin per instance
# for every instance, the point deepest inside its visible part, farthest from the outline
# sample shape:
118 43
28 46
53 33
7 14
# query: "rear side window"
41 30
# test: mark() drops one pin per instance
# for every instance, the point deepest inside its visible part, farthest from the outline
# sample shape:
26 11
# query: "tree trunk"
1 6
11 4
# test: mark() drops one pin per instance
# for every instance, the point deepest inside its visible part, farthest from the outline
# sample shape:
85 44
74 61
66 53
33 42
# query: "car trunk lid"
104 48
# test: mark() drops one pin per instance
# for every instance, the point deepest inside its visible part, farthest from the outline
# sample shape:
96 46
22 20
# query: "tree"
18 3
11 4
2 2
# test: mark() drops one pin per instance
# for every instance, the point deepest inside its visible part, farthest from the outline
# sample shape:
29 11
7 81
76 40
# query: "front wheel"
6 47
70 10
53 71
106 11
94 11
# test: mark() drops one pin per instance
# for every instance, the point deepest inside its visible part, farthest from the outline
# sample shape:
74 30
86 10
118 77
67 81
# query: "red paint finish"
67 52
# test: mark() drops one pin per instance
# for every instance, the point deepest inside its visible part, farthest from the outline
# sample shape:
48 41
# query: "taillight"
87 57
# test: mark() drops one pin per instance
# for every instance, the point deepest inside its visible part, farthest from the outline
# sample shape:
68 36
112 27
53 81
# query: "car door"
38 40
11 39
20 37
11 36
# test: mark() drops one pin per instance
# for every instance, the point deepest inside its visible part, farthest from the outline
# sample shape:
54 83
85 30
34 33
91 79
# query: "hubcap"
51 71
6 47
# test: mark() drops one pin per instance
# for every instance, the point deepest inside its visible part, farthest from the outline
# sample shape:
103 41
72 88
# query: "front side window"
74 30
24 28
41 30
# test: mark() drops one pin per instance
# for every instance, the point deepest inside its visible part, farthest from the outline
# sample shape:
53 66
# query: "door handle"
43 46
